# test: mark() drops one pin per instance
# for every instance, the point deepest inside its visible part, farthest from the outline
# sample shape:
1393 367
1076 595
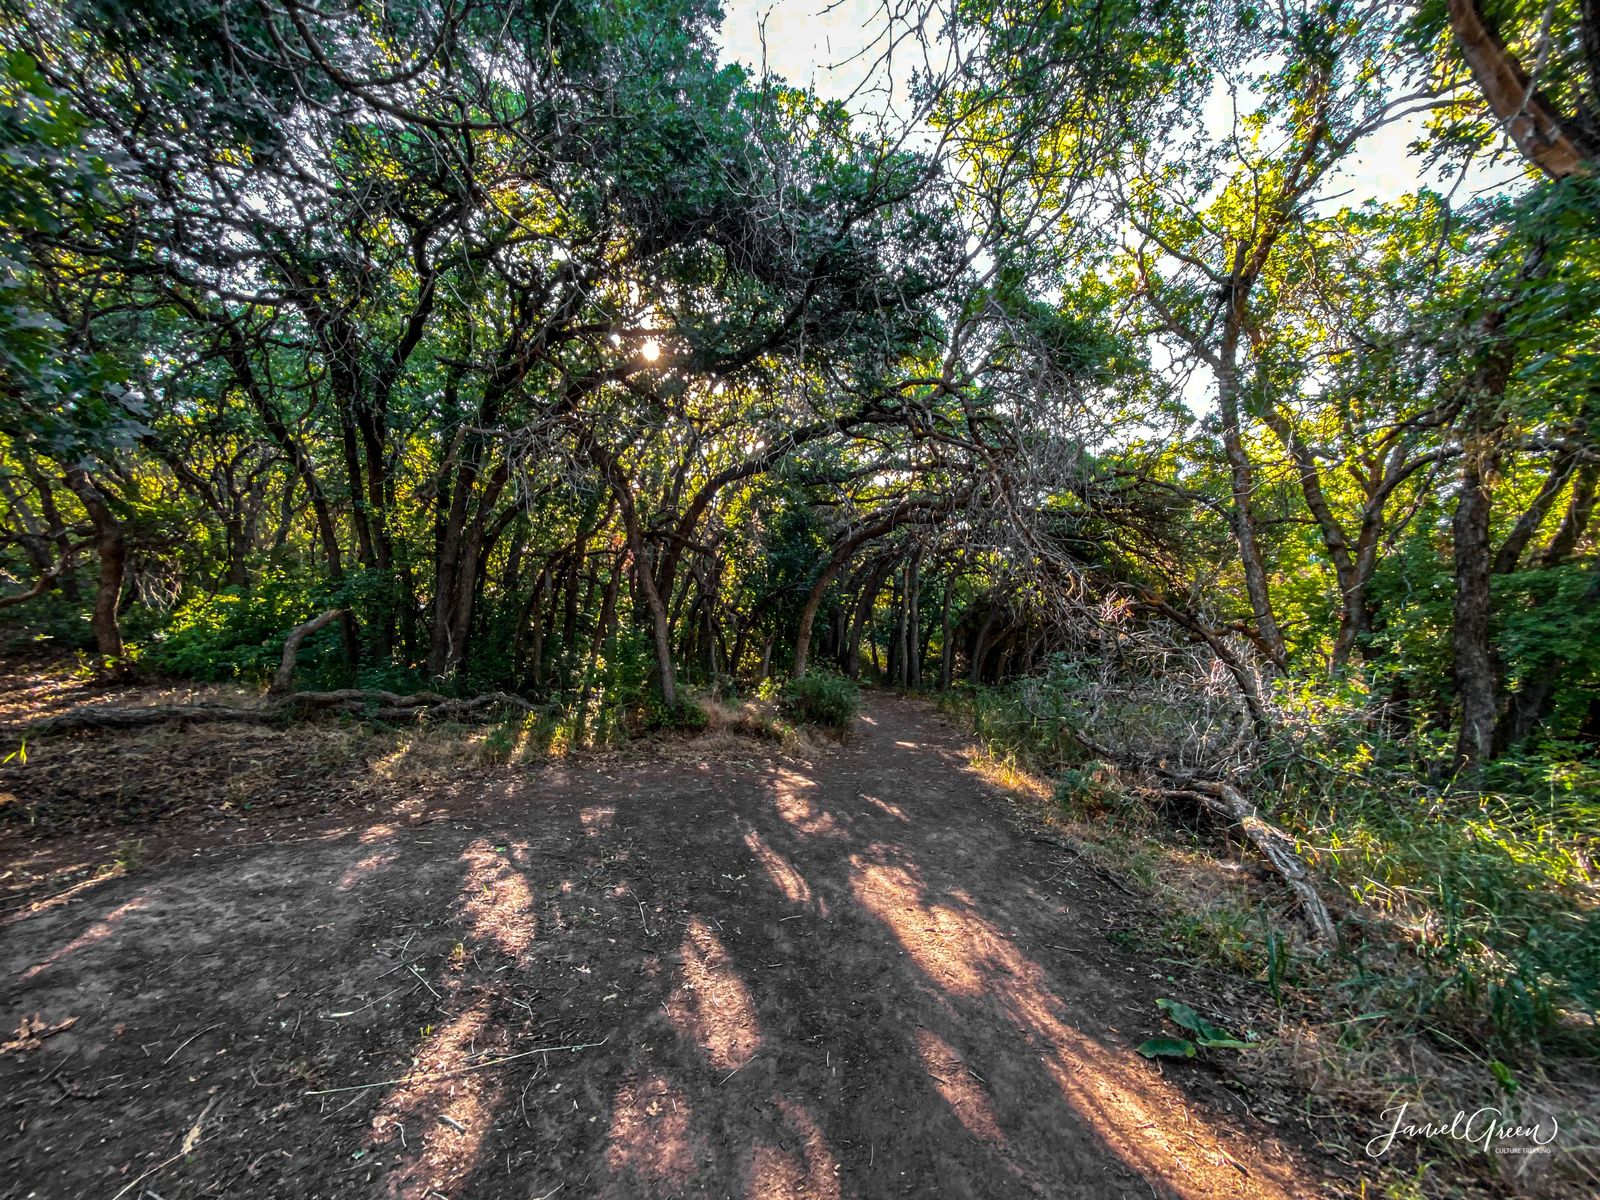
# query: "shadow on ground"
756 978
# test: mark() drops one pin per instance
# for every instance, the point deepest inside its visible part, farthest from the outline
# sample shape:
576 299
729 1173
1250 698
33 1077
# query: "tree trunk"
569 617
865 603
980 645
913 650
113 552
68 583
1483 425
737 657
532 622
1540 132
1352 587
946 650
602 633
1474 664
897 633
283 679
661 635
1242 473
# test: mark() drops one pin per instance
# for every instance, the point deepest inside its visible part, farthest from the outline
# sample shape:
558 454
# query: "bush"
818 698
688 716
238 633
1475 894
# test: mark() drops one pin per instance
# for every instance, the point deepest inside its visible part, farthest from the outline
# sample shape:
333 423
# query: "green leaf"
1181 1014
1167 1048
1206 1033
1502 1073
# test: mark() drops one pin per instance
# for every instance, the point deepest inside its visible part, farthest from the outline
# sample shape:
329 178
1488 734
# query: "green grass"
823 699
1473 905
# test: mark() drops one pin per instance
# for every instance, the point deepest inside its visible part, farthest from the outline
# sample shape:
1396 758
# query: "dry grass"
1005 773
732 725
1212 907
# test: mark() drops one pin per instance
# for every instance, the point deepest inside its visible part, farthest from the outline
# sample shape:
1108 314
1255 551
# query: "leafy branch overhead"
1201 398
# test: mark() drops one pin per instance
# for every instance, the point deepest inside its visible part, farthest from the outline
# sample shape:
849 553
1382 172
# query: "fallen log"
111 717
380 705
1228 803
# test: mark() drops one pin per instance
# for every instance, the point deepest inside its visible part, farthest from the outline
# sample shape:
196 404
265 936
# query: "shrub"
818 698
238 633
687 716
1475 894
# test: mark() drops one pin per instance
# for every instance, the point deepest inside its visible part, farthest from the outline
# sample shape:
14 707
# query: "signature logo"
1486 1127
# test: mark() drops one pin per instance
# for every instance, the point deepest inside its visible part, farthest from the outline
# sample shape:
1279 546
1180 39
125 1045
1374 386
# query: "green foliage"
1204 1035
1000 718
1482 885
498 744
1167 1048
1480 892
822 698
238 633
63 397
686 716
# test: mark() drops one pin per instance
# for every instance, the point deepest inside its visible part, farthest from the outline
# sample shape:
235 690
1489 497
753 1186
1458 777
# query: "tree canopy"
560 358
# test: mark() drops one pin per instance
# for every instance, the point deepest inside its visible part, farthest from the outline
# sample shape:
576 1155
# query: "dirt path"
845 978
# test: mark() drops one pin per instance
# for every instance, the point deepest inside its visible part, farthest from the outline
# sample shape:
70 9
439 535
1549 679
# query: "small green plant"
819 698
1503 1076
499 743
1090 791
1204 1034
1277 961
129 854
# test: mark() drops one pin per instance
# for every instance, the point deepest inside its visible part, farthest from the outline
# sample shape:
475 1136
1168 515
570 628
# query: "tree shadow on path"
758 978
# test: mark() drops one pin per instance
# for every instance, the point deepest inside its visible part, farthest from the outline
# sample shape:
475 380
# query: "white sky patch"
832 49
1384 169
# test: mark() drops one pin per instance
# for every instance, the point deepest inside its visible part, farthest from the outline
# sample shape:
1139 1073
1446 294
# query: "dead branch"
41 585
379 705
291 649
1277 847
1228 802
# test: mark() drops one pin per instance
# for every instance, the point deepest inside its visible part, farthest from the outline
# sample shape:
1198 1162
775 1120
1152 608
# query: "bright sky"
808 42
829 48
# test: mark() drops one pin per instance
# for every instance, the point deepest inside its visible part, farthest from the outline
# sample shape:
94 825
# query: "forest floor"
702 968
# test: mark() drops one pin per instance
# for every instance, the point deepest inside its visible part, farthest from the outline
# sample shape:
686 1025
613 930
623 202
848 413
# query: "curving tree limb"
1543 135
291 649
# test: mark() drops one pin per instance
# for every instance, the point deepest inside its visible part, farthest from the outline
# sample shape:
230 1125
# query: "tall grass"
1471 906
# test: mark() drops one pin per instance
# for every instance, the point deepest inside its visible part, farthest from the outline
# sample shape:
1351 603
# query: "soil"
855 974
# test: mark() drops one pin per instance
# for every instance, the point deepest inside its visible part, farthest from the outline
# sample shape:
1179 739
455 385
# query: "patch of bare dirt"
850 975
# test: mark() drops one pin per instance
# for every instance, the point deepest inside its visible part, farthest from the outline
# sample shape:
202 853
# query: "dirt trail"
852 977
